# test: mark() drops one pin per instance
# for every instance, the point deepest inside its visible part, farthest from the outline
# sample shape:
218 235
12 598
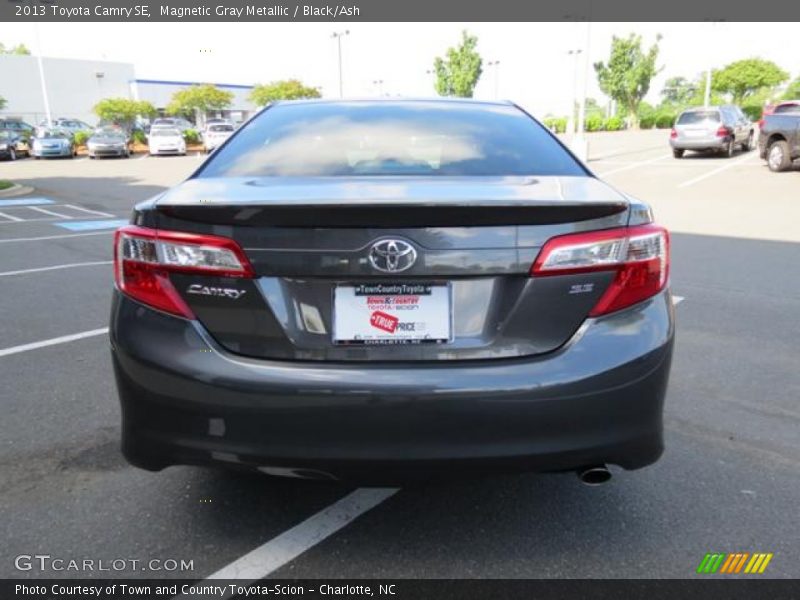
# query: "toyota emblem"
392 256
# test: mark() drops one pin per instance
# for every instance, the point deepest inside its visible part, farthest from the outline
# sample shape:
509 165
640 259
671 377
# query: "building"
75 86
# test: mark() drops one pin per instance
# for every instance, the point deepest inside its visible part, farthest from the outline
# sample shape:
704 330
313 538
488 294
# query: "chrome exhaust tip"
594 475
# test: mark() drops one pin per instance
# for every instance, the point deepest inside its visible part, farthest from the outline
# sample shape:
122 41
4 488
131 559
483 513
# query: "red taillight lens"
673 134
723 131
143 259
639 255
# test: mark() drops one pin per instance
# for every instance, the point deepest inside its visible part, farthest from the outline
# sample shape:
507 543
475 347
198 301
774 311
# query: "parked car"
171 123
215 134
50 143
25 130
109 141
780 107
372 290
13 144
779 139
166 141
71 125
717 129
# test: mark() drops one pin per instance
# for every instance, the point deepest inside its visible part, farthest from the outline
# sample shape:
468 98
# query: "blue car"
50 143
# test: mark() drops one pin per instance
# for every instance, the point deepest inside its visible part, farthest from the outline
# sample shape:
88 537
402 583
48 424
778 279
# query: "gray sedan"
109 141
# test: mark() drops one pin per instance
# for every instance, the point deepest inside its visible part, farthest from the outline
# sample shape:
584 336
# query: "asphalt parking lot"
728 481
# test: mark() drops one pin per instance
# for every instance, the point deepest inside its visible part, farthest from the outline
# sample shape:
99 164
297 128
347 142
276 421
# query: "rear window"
392 138
698 116
165 133
220 127
787 108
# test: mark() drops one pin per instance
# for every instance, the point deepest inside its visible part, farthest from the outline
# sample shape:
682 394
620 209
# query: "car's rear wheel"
12 154
778 158
677 153
748 145
729 149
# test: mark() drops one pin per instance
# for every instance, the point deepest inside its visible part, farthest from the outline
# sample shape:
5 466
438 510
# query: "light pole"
707 95
337 35
379 84
571 119
41 76
496 65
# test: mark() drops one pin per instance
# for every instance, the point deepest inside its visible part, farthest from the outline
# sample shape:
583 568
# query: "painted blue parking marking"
89 225
26 201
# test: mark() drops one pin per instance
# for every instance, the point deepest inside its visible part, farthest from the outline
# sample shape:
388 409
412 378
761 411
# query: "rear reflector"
639 256
143 259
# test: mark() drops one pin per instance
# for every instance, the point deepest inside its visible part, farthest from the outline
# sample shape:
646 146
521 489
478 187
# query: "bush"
594 123
647 121
190 136
665 120
80 137
753 111
557 124
138 136
614 124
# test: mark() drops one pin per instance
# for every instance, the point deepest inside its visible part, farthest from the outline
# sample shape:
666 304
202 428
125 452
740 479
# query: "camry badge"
205 290
392 256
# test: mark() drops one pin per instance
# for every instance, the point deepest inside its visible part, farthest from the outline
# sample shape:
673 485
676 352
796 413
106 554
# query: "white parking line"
48 212
57 267
11 219
52 342
635 165
725 167
677 300
290 544
56 237
87 210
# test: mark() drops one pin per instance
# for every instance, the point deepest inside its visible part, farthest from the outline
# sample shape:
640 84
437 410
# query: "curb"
16 190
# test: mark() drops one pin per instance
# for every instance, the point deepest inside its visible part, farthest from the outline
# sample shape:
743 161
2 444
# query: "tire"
729 149
748 145
778 157
12 154
677 153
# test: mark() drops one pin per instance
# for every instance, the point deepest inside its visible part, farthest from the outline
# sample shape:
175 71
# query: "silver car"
714 129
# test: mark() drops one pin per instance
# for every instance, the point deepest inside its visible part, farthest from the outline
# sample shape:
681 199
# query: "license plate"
392 313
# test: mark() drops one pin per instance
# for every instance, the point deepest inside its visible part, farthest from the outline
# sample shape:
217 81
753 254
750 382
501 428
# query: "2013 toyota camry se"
383 289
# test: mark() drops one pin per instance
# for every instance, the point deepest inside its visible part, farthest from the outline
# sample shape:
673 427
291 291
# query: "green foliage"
665 120
80 137
199 98
123 111
139 137
753 111
793 91
647 115
2 103
458 74
18 49
5 184
614 124
557 124
593 123
191 136
287 89
743 78
679 91
626 78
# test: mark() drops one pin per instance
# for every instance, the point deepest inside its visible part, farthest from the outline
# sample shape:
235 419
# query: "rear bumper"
599 399
710 143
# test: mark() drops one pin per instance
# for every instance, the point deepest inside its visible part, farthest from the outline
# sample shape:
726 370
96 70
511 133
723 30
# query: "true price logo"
383 321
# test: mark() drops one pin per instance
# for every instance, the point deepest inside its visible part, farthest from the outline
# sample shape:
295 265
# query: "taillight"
639 256
143 259
723 131
673 134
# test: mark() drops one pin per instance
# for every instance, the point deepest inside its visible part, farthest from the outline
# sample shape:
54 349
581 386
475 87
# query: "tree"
793 91
458 74
18 49
123 111
2 103
199 99
626 78
743 78
678 91
287 89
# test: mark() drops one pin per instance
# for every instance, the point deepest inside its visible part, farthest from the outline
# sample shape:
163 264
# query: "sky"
535 68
